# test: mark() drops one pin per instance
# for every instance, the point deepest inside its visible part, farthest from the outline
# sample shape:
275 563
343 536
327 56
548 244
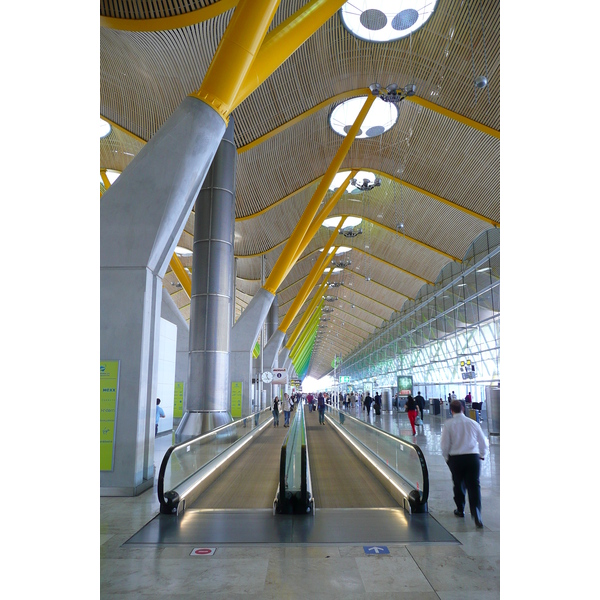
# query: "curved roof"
439 164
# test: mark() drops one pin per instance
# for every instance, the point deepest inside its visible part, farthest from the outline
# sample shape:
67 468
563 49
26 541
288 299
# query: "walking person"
463 446
287 407
411 411
420 403
160 414
275 411
321 408
368 402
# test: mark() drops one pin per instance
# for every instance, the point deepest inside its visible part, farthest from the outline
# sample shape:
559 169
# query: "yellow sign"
236 399
109 385
178 400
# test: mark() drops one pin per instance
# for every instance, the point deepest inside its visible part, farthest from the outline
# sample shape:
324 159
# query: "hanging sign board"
280 376
405 385
109 386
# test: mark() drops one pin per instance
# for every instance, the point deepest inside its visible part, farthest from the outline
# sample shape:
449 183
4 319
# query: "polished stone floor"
467 571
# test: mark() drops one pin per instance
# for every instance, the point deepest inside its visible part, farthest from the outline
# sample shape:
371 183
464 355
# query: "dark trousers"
465 477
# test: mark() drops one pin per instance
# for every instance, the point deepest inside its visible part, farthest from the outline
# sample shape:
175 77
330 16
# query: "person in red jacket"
411 410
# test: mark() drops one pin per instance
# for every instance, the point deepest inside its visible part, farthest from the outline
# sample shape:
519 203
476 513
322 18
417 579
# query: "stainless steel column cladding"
212 291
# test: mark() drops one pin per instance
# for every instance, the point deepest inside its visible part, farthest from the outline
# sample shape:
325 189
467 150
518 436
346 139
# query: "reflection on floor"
467 570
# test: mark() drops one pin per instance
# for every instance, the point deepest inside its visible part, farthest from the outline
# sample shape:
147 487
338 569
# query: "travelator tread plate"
251 480
339 478
202 528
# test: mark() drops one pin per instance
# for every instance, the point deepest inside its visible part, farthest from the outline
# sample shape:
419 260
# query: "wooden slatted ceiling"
150 9
332 61
145 76
442 156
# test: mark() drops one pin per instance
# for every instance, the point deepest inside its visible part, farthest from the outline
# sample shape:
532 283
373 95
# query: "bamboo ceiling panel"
117 150
271 228
333 61
145 75
247 286
150 9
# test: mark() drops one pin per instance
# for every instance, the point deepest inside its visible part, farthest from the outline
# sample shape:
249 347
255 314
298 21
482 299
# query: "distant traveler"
420 402
309 401
463 446
275 411
321 407
287 407
411 411
160 414
367 403
377 404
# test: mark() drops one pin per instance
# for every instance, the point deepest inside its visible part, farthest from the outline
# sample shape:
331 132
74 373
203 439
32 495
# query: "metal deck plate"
327 526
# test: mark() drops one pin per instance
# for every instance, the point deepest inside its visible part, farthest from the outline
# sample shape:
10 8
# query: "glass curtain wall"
447 339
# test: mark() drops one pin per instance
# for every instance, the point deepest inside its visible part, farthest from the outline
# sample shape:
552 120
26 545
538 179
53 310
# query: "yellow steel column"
309 284
311 280
105 179
318 298
284 40
285 261
181 274
318 221
237 51
303 339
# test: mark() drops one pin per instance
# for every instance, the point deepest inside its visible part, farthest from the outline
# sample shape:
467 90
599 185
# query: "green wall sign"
178 400
236 399
109 387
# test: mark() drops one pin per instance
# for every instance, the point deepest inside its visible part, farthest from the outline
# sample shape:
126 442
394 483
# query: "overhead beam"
235 55
165 23
284 40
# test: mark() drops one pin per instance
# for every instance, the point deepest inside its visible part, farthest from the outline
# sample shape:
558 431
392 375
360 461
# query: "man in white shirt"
463 447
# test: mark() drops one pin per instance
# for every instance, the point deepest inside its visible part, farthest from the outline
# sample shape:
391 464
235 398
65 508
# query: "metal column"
210 315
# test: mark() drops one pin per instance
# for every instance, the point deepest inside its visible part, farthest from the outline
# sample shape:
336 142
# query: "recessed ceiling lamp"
385 20
105 128
349 222
381 117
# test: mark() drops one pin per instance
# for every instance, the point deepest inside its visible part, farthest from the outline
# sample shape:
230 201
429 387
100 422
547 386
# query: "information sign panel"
109 386
236 399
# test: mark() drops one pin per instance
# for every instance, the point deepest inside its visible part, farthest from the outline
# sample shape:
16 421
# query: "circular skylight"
360 177
381 117
105 128
349 222
385 20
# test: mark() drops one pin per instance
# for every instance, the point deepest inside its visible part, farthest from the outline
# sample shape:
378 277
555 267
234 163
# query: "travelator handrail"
294 493
400 465
188 468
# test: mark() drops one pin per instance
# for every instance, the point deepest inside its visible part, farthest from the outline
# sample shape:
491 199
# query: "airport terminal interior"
294 191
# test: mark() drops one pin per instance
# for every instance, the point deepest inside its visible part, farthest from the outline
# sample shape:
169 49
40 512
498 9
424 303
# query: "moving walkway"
249 482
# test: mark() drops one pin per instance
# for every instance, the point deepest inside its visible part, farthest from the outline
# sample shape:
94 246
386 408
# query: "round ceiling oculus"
385 20
381 117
